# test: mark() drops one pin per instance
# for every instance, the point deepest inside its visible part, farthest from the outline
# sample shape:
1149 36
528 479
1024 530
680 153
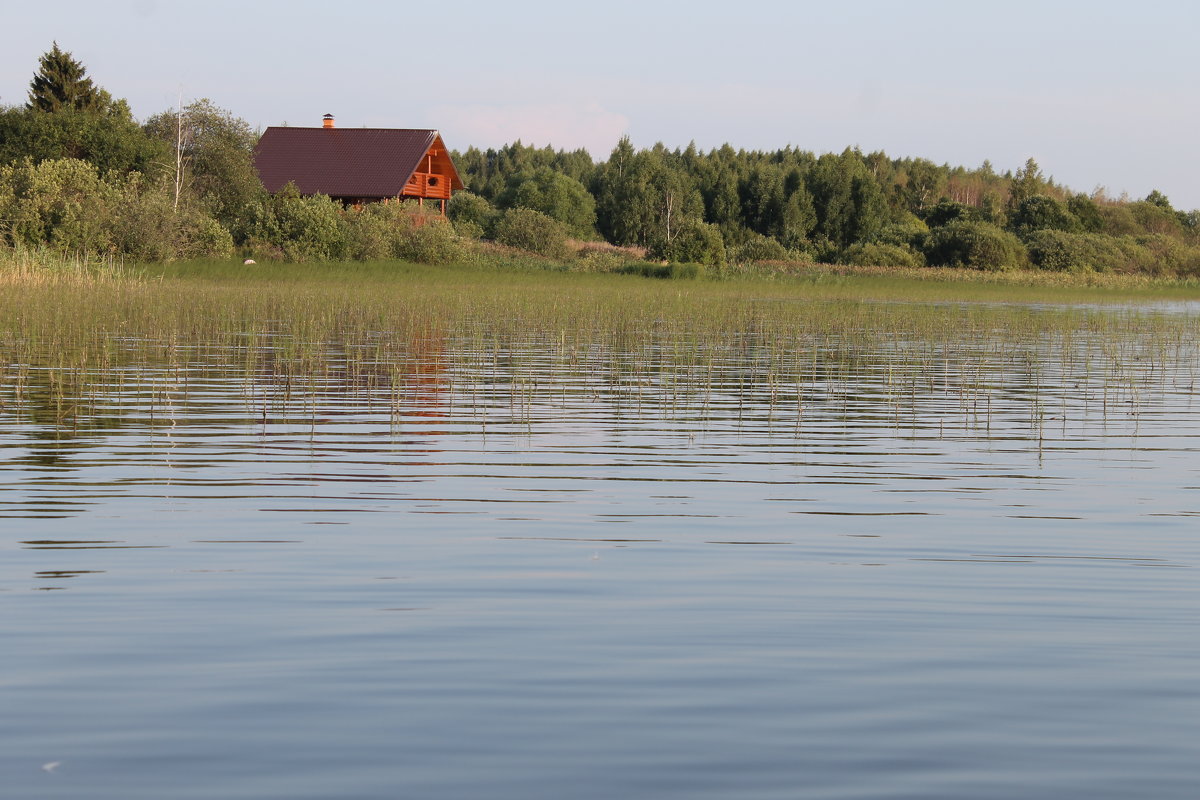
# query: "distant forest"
80 175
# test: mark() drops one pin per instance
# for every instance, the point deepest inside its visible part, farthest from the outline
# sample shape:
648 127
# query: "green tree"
1040 213
1087 211
1027 183
1159 199
763 199
61 83
947 211
215 157
556 195
797 219
923 183
849 204
722 203
67 117
627 205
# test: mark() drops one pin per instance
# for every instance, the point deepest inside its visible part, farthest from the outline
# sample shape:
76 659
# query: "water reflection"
651 566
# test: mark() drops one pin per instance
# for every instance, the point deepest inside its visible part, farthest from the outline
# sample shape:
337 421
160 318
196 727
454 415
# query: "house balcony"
428 185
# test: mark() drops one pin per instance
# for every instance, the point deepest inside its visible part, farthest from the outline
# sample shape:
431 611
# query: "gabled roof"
345 162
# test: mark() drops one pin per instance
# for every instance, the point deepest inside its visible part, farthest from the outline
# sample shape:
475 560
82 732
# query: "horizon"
1099 95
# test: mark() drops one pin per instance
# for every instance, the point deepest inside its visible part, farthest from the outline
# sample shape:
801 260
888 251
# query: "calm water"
873 570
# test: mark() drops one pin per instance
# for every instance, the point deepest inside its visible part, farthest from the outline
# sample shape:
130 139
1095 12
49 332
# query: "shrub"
1155 218
1118 221
908 232
695 242
468 229
759 248
63 203
201 236
310 228
601 261
144 226
556 195
301 228
1075 252
433 242
877 254
370 235
677 271
947 211
979 245
465 207
1163 255
1039 213
531 230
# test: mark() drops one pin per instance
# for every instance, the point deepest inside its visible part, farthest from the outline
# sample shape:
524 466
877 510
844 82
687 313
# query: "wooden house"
358 165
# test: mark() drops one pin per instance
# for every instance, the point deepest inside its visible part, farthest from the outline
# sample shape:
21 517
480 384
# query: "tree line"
848 207
78 173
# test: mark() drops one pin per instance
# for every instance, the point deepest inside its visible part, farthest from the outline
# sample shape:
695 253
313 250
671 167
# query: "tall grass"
75 337
26 268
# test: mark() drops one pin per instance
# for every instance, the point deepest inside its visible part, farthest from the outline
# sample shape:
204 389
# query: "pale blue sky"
1101 93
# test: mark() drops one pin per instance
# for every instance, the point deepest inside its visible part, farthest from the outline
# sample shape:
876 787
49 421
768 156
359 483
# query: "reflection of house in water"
358 165
402 371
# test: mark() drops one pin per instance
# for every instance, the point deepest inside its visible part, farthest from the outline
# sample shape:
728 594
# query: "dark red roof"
343 162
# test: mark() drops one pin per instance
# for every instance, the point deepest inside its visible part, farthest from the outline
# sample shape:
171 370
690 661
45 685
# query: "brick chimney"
327 120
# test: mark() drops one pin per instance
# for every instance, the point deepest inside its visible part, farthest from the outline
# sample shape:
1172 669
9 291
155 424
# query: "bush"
908 232
67 205
399 230
1155 218
370 233
601 261
759 248
877 254
1075 252
433 242
467 208
676 271
556 195
1039 213
979 245
531 230
63 203
468 229
1119 221
143 223
301 228
947 211
310 228
201 236
1162 255
694 242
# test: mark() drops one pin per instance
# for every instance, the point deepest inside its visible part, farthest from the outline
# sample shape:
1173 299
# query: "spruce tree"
61 83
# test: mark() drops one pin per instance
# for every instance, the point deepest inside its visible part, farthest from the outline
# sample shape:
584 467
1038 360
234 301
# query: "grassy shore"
61 301
72 335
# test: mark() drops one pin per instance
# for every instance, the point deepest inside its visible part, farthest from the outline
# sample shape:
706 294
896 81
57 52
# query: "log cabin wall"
434 176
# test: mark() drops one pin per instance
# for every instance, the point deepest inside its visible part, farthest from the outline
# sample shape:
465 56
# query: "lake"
852 564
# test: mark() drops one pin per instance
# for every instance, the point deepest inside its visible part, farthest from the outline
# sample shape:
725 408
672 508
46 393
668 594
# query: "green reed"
395 335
